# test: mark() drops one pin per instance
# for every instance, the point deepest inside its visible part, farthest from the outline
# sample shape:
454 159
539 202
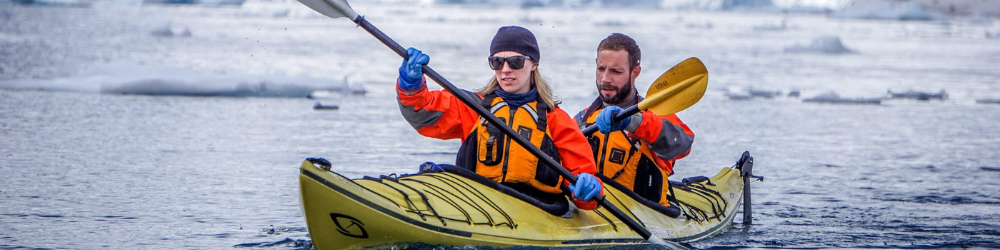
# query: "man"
638 151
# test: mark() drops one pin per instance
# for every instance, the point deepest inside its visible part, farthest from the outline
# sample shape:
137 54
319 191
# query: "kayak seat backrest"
673 212
557 207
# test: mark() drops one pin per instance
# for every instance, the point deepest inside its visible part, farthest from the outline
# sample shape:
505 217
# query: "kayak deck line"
509 222
383 210
413 208
718 203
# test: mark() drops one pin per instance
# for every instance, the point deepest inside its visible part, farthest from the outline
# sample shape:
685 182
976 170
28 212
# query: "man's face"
614 79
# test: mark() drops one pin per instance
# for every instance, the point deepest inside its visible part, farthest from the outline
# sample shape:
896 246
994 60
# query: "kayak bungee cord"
708 195
431 188
437 192
428 203
710 198
468 200
422 197
481 196
489 217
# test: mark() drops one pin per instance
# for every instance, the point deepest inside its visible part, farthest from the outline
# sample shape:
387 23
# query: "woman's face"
514 81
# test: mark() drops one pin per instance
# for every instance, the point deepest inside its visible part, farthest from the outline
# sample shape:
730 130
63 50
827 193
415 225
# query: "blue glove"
430 167
410 73
604 123
586 187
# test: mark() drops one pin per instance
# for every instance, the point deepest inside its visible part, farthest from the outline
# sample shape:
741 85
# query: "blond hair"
544 92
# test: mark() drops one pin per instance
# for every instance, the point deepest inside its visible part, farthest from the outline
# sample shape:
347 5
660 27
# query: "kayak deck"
451 209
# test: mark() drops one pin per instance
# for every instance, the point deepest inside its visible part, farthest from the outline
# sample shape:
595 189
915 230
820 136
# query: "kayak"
456 207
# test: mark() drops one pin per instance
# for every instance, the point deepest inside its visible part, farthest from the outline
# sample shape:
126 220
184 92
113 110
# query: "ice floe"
833 97
157 80
823 44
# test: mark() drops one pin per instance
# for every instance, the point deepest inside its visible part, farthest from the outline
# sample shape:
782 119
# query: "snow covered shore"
921 9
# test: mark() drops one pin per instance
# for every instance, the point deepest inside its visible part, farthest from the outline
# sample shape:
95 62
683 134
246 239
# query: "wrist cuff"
634 122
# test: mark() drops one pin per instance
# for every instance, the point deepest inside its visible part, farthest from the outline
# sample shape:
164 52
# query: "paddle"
675 90
340 8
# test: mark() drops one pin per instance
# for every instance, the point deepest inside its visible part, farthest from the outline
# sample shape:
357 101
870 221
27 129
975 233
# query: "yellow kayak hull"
448 209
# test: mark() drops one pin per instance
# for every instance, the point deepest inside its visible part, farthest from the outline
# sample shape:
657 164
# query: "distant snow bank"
919 9
153 80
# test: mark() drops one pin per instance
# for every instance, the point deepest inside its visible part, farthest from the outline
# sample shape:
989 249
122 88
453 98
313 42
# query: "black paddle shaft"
618 117
474 104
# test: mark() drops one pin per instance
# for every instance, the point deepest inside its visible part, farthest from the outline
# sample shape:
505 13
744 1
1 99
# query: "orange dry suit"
490 153
643 158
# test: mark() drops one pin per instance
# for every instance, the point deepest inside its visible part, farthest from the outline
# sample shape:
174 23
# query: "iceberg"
823 44
876 9
159 81
59 3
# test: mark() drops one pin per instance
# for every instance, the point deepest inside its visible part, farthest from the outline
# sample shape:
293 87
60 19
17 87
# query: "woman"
518 95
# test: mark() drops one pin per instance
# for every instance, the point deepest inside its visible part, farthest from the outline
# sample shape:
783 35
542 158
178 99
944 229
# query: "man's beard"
620 95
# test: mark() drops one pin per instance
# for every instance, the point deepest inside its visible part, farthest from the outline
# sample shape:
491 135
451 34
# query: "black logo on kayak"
349 226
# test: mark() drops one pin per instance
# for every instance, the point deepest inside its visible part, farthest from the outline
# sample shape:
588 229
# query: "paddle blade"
677 89
331 8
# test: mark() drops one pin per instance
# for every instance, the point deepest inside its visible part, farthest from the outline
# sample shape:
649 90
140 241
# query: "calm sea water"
84 170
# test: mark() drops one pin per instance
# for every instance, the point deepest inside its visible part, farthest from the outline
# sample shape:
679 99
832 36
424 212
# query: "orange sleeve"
668 137
676 121
436 113
574 150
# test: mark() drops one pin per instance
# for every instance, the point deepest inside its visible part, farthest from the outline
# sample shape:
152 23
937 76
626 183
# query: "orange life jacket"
491 153
628 160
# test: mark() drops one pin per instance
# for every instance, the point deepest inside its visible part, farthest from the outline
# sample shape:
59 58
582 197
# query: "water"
84 170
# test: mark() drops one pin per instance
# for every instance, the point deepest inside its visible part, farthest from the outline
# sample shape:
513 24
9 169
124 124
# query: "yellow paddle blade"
677 89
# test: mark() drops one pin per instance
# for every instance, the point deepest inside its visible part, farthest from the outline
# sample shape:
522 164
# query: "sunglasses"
515 62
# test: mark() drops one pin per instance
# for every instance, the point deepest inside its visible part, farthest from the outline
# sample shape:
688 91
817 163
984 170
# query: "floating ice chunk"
218 3
150 80
746 4
741 93
320 106
167 30
988 101
59 3
765 93
917 95
163 31
281 13
357 89
794 93
771 27
169 1
697 25
737 93
879 9
833 97
823 44
714 5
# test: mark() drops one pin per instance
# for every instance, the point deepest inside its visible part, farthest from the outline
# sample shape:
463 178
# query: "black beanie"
517 39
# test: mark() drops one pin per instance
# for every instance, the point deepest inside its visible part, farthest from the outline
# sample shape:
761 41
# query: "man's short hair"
619 41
